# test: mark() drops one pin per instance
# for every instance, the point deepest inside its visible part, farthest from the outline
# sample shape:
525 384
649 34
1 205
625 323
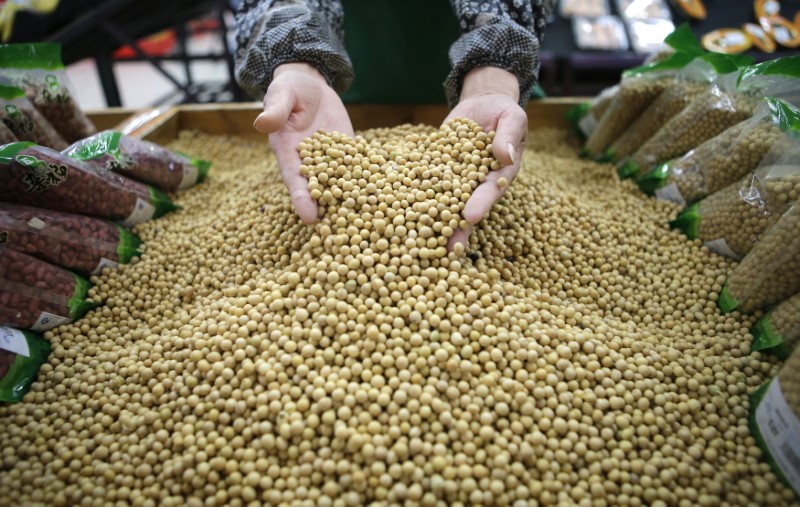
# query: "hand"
490 97
299 102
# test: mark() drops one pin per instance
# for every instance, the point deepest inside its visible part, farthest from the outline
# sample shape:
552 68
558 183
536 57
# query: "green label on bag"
725 64
607 156
767 339
726 302
688 221
10 92
161 201
128 246
788 66
39 55
104 144
654 179
202 168
41 174
785 116
9 151
22 372
78 305
628 170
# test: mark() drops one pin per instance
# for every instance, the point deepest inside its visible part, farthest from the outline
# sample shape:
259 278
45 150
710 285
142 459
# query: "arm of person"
291 53
495 64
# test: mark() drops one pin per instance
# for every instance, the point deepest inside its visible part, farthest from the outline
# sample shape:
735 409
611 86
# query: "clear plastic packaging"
775 421
23 120
583 8
768 274
22 354
141 160
723 159
606 33
38 70
37 295
75 242
44 178
731 221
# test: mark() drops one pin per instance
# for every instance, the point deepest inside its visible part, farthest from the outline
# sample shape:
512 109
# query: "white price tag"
142 212
671 193
14 341
104 263
720 247
47 321
190 174
780 429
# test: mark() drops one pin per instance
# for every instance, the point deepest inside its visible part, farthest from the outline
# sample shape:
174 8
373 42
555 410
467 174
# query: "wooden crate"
163 125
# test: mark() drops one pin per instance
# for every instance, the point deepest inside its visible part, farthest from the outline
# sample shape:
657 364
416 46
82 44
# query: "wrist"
300 67
486 80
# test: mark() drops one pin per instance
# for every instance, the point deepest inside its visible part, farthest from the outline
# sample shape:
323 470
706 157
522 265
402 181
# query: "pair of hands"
299 102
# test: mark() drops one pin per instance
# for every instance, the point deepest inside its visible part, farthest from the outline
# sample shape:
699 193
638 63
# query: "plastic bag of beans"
38 70
779 330
141 160
720 161
691 81
23 120
37 295
22 353
768 274
731 221
638 89
732 99
76 242
45 178
774 421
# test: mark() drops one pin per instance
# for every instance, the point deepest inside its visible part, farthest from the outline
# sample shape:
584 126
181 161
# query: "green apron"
399 50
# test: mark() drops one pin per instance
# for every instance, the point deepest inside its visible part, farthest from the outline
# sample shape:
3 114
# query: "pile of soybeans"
573 354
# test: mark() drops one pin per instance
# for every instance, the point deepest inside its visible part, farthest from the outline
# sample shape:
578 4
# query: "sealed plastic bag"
775 421
584 117
774 129
778 331
691 81
37 295
23 120
75 242
37 69
639 88
45 178
732 220
141 160
770 273
730 100
22 353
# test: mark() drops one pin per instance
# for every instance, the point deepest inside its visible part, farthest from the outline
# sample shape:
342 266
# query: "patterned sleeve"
273 32
498 33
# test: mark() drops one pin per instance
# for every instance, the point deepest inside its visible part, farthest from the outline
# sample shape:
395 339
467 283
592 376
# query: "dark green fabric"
398 49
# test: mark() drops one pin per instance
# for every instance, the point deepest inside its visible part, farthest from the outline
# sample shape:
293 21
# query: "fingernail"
259 118
513 153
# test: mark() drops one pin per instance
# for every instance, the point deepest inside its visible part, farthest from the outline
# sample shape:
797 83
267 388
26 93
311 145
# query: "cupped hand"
299 102
490 97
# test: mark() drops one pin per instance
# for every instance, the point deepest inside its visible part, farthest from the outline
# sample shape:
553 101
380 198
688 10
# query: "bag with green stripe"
37 295
770 273
79 243
690 81
22 353
44 178
774 422
778 331
37 69
730 100
24 122
638 89
731 221
141 160
774 129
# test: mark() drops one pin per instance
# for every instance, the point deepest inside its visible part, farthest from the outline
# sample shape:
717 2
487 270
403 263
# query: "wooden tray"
163 125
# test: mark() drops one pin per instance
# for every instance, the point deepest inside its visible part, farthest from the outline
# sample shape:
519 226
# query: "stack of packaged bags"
68 198
721 137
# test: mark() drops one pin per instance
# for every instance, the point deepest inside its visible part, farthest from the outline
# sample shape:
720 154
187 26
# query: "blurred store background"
144 53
